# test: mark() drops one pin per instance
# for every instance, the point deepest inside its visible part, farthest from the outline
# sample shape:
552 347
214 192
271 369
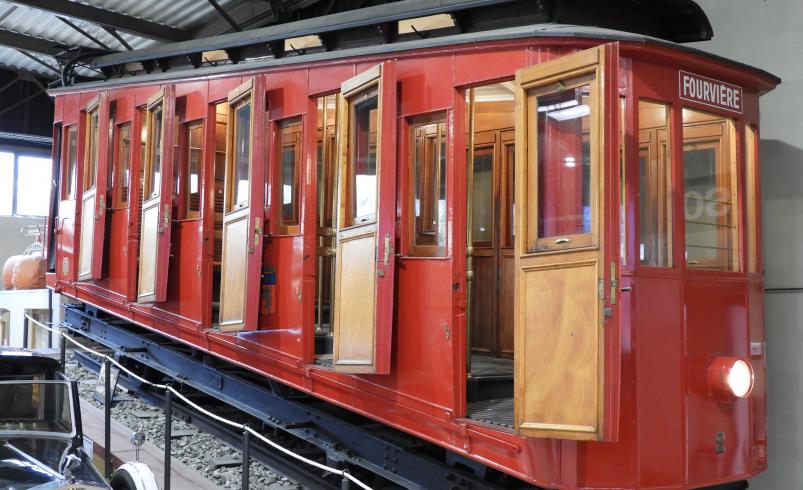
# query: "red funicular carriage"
536 245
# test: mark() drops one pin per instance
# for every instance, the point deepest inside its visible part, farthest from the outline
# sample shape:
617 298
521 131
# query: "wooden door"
566 246
365 266
93 189
157 195
244 207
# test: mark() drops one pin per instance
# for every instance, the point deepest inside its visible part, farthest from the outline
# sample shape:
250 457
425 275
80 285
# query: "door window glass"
91 158
364 112
154 176
242 156
563 145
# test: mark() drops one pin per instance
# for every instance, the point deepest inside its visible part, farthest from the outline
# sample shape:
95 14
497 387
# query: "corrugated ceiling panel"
46 25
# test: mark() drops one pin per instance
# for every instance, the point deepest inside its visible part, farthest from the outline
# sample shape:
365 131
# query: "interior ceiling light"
570 113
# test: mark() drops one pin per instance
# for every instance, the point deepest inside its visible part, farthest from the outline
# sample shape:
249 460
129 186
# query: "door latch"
165 218
101 207
388 249
257 235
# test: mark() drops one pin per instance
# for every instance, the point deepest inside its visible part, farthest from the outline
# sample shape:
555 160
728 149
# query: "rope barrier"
342 473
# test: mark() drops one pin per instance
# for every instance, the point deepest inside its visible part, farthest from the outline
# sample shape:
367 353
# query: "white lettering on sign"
710 92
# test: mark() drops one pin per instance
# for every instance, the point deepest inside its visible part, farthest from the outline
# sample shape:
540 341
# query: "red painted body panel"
662 422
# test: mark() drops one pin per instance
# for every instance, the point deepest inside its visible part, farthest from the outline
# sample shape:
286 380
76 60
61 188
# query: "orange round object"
29 272
8 271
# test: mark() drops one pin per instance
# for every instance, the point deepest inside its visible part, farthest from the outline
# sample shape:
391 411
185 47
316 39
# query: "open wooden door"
566 246
243 208
364 276
157 197
93 189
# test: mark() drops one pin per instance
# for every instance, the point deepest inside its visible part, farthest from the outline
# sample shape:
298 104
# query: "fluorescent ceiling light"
559 105
570 113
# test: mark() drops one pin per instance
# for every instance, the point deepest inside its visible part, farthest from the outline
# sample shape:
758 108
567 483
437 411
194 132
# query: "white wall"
768 34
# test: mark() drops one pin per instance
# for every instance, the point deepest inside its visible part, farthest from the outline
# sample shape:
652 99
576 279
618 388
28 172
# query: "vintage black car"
41 442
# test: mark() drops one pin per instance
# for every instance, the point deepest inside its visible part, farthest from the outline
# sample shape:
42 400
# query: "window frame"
534 243
122 194
235 103
373 89
184 171
91 145
69 182
725 144
292 226
155 104
439 119
663 157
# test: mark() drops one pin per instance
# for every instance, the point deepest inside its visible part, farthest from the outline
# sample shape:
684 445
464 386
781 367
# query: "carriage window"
655 186
710 186
428 178
91 159
564 178
751 149
123 162
290 157
242 156
153 176
70 161
192 175
364 118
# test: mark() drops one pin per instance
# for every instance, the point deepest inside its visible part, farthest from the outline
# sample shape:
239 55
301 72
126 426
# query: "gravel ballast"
197 450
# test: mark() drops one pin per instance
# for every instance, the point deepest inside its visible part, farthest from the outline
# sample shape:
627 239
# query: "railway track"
379 455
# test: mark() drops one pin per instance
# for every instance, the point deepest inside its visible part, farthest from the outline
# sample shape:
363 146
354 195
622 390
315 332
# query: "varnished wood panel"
558 365
233 273
355 327
87 235
147 252
483 304
507 280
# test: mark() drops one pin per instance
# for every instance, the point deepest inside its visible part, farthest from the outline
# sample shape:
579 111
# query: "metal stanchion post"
25 327
345 484
63 352
107 418
168 436
246 459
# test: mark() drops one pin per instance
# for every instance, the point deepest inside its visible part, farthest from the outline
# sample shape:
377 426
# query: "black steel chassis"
346 440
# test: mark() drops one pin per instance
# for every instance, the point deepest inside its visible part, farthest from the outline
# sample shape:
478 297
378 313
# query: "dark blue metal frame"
390 454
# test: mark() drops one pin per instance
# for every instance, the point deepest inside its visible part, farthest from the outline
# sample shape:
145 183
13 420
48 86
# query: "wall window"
71 162
428 181
122 177
751 201
289 147
25 183
192 171
710 192
655 186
